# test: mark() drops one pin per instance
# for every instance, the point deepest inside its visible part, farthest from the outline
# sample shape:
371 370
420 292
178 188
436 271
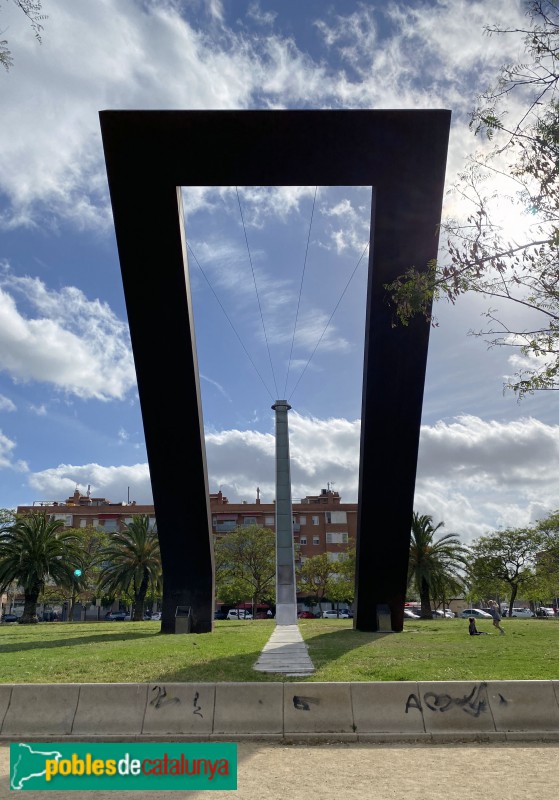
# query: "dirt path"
369 772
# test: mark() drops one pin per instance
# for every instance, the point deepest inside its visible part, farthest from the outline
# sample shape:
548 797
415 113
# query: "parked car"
10 618
522 612
546 612
440 614
49 616
333 614
116 616
408 614
306 615
156 616
476 613
238 613
220 615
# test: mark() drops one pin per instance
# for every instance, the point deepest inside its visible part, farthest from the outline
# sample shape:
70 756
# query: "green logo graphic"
123 766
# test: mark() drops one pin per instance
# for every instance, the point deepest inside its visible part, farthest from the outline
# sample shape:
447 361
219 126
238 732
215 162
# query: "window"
303 540
83 523
334 556
336 517
110 525
302 520
249 520
66 519
315 520
269 520
336 538
316 539
225 526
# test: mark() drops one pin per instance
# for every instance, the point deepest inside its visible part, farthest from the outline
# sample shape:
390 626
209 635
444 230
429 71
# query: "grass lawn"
120 652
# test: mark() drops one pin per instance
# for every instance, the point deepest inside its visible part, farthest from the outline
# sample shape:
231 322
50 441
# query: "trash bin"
183 619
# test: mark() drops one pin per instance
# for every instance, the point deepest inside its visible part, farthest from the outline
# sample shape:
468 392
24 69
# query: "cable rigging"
329 320
256 290
229 321
300 291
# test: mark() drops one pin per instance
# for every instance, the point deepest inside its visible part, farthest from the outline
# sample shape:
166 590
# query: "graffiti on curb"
304 703
475 703
161 698
197 708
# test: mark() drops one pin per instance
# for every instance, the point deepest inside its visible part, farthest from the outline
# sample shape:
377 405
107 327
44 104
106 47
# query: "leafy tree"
547 560
314 576
341 584
32 10
34 550
7 517
246 564
504 562
92 542
133 562
432 562
481 255
445 588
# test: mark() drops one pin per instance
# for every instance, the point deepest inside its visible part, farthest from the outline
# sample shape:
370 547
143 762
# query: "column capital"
281 405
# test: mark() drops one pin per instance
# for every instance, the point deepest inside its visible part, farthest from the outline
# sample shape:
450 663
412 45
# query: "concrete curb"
391 712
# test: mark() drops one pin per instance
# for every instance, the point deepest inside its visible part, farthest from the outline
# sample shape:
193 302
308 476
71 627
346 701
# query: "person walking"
496 614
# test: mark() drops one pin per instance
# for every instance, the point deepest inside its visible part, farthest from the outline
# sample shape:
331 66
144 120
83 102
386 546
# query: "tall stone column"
286 592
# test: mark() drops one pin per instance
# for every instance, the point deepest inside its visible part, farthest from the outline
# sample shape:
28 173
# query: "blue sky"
69 411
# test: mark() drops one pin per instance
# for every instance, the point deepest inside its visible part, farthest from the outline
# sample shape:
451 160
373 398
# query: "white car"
408 614
333 614
238 613
446 614
522 612
476 613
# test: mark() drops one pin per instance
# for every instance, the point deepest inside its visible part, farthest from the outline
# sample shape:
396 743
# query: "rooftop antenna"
330 484
88 493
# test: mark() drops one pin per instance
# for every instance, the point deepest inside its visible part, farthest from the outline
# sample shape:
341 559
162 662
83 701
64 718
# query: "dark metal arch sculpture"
149 154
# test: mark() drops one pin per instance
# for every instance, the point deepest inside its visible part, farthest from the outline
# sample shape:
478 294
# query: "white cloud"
109 482
41 410
7 447
478 475
76 344
218 386
123 54
474 475
6 404
321 451
256 14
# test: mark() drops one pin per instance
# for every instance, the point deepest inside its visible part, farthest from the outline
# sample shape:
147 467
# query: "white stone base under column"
286 614
285 652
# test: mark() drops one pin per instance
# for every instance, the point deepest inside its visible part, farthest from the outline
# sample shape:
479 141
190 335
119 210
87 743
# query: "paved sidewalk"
365 772
285 652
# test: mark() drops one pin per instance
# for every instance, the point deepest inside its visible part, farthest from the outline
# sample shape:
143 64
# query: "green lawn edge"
437 650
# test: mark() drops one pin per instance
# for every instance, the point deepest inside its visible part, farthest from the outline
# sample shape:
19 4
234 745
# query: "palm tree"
34 550
433 562
133 561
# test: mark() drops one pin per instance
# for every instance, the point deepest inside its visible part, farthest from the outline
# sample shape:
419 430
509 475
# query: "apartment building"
321 523
83 511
